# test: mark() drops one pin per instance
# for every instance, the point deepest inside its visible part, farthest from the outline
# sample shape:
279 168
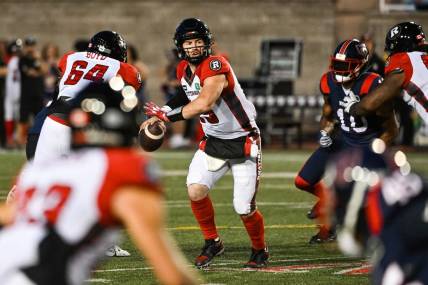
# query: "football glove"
325 139
153 110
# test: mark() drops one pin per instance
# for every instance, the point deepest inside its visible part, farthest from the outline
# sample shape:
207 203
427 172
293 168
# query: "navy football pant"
309 177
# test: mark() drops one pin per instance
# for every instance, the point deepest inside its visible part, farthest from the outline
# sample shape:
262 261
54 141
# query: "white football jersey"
233 114
415 86
64 217
79 69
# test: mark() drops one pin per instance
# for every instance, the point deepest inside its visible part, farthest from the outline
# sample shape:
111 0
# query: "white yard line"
289 205
98 280
364 266
280 174
234 262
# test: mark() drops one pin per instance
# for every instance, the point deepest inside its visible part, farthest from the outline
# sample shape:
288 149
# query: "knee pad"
242 207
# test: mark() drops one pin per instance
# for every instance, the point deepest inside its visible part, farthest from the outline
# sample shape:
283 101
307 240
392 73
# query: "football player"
406 73
12 91
69 209
345 79
380 207
104 59
232 139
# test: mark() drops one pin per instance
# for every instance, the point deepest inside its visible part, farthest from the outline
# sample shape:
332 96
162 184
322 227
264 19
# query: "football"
151 137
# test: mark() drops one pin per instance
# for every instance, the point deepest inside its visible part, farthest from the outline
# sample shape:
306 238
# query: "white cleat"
115 250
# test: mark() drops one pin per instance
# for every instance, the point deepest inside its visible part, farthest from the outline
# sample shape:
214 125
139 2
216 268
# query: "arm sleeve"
180 99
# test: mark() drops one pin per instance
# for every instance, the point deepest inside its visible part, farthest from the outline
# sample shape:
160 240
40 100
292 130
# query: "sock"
254 225
204 214
9 126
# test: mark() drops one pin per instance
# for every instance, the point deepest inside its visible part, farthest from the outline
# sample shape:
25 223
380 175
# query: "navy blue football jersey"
356 131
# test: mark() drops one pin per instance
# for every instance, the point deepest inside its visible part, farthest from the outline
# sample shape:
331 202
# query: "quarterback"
231 142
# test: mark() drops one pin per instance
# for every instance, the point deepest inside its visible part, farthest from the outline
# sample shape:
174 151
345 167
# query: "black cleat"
322 238
258 259
211 248
314 212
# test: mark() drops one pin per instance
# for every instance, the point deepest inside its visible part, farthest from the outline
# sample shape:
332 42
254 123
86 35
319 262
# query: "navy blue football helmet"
348 60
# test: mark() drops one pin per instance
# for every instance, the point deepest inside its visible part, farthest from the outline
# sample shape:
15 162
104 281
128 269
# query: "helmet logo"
362 49
215 65
340 56
394 32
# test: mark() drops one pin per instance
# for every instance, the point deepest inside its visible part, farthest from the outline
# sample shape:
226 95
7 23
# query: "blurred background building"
252 33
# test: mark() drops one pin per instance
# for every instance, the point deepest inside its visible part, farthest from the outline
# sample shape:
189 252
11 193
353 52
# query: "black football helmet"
100 116
404 37
348 60
110 44
192 28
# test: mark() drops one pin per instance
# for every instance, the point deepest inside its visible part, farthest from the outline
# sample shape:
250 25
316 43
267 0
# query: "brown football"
151 137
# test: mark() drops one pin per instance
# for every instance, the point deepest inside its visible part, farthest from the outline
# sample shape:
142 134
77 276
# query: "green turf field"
293 260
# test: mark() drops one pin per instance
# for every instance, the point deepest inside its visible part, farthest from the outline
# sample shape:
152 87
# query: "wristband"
175 115
166 108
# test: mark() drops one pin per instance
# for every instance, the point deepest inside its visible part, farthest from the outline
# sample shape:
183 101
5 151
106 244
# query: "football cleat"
314 212
211 249
115 250
323 238
258 259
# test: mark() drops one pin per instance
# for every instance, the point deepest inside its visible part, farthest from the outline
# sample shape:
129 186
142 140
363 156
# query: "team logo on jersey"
215 65
197 86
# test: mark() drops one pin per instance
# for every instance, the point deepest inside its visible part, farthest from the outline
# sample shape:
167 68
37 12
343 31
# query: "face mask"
342 79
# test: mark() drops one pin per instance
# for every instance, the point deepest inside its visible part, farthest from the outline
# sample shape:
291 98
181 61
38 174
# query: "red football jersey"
233 114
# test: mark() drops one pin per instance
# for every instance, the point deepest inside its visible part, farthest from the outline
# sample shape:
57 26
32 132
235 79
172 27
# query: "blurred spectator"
376 63
134 59
421 4
171 87
32 87
13 90
3 72
50 57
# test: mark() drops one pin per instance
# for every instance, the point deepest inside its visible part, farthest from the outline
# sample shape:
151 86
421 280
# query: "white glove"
325 139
